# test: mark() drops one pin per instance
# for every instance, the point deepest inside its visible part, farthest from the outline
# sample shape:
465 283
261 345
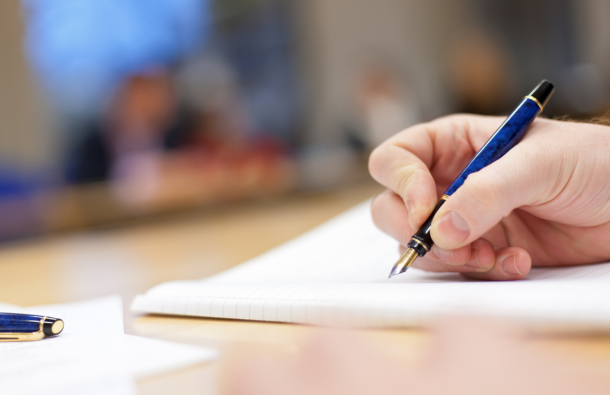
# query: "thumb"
485 198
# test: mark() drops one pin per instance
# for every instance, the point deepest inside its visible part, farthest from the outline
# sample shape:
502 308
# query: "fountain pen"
503 140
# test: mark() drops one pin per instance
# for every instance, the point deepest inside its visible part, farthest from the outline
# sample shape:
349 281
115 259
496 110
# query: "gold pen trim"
532 98
422 244
57 327
445 197
23 336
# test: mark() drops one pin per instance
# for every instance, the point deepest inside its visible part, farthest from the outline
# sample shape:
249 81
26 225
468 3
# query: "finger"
478 257
511 263
404 163
488 196
391 216
398 169
457 257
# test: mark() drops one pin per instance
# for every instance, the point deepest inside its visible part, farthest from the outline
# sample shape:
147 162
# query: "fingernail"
411 210
452 229
476 264
509 265
444 255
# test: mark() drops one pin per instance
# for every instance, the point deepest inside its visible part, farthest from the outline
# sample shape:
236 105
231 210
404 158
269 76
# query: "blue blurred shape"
82 48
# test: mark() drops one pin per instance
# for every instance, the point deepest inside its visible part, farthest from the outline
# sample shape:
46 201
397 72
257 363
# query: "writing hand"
546 202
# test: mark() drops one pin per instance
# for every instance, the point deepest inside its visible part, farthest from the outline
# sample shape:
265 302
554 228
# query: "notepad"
337 275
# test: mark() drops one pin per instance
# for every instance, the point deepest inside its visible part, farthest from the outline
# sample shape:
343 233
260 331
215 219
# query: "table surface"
130 259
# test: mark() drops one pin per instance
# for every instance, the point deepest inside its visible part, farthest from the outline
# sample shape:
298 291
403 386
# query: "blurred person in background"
141 120
126 143
223 154
155 153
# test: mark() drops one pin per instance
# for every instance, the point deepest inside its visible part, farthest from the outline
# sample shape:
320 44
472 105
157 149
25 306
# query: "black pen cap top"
52 326
543 92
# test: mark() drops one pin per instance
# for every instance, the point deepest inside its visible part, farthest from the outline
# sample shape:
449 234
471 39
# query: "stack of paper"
337 274
91 356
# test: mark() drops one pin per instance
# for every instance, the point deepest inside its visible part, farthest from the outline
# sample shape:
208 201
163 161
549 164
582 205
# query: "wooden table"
130 259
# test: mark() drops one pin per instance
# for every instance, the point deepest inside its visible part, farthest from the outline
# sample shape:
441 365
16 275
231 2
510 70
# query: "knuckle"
404 177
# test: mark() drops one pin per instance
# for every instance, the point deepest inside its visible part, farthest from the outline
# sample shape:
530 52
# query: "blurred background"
120 109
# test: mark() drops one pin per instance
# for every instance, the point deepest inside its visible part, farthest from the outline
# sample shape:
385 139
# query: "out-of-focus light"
81 48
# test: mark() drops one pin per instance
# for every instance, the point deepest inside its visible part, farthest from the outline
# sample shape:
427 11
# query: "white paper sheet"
91 355
337 274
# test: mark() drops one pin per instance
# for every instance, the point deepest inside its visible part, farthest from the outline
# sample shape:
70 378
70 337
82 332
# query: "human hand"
545 203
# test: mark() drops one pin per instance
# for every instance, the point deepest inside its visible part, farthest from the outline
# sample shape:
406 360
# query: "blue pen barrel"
19 323
502 141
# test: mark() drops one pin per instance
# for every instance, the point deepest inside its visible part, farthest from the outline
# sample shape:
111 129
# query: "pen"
502 141
27 327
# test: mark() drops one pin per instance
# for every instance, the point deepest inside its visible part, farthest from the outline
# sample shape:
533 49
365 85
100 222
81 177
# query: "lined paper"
337 273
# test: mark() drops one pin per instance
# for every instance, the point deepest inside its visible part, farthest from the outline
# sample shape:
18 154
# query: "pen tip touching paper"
405 261
395 271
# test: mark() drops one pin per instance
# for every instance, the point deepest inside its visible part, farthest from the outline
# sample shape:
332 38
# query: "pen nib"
405 261
394 272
